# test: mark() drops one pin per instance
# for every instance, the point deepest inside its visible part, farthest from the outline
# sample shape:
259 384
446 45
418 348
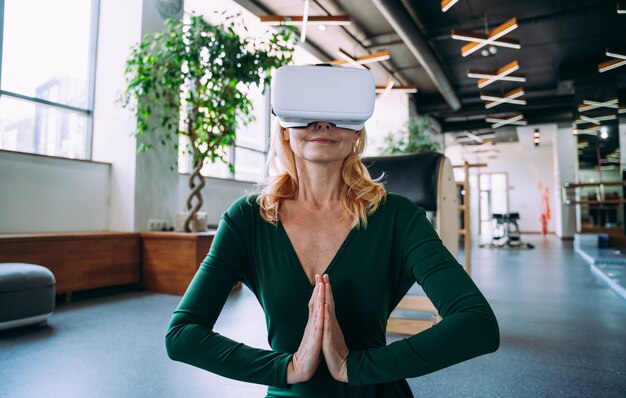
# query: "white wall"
391 115
525 165
119 29
45 194
156 178
565 167
622 142
217 195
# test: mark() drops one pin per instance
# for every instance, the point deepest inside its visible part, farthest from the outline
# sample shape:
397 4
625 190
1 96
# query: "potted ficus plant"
418 138
204 71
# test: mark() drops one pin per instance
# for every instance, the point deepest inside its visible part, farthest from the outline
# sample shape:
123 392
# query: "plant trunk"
190 221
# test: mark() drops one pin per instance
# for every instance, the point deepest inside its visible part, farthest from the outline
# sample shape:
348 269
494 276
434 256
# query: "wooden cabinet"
163 262
81 260
171 259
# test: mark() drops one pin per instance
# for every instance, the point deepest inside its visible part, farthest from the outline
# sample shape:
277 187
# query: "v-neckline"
294 254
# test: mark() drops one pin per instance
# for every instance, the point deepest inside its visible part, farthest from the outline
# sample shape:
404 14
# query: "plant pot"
201 221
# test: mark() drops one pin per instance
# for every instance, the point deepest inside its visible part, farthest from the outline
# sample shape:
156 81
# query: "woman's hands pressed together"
333 344
306 360
322 334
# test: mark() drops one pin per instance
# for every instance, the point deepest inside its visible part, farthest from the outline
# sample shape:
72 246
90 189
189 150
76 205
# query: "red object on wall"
545 214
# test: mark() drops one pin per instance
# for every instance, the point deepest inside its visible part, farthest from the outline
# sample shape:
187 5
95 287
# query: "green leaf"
199 64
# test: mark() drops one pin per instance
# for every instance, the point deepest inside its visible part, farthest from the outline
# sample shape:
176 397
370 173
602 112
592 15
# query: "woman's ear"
285 133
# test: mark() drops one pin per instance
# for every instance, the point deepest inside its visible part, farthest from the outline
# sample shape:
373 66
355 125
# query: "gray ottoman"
26 294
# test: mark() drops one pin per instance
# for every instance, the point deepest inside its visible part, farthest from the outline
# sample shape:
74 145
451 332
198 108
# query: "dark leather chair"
427 180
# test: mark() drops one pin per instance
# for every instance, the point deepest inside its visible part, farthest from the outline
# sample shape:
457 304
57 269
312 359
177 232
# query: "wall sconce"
536 137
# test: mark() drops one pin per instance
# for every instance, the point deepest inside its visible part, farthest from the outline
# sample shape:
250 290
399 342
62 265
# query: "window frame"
266 136
91 80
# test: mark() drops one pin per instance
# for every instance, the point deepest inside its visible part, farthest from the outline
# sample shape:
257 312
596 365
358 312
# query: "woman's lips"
323 140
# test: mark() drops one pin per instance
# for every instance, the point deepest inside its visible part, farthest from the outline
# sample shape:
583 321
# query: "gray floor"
563 335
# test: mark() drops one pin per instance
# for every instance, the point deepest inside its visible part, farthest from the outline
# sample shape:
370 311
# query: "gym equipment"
506 232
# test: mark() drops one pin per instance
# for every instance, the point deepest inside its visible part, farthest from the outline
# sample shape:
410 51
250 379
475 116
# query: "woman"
329 254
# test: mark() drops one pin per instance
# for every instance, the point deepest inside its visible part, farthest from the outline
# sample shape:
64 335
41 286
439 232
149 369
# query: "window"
250 149
249 153
47 58
493 199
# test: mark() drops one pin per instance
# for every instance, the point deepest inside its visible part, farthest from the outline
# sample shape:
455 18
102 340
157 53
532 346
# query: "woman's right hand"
306 360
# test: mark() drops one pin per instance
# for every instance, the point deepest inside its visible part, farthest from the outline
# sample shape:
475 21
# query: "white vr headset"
305 94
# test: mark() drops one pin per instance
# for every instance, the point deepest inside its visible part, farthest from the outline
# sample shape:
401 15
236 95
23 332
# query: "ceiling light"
589 120
484 53
621 8
503 73
479 38
347 59
588 105
596 119
516 119
305 18
589 131
510 98
474 137
604 132
388 87
479 41
299 20
409 89
321 27
447 4
493 50
613 63
480 74
359 61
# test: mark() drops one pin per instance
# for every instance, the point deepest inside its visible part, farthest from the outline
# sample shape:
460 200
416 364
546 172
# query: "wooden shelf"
416 303
595 202
592 184
407 326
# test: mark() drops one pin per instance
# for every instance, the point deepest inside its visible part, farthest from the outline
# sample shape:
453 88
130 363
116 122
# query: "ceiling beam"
259 9
382 40
396 14
472 106
356 33
554 115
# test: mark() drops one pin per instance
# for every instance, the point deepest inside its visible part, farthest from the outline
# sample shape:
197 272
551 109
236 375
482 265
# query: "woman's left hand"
333 344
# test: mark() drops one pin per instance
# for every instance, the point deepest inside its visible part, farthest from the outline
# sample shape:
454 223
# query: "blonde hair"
360 195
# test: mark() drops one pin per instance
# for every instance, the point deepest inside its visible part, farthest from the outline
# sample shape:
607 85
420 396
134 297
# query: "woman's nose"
323 125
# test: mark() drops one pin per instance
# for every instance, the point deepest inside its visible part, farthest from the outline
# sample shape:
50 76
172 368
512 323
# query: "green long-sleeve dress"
371 272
